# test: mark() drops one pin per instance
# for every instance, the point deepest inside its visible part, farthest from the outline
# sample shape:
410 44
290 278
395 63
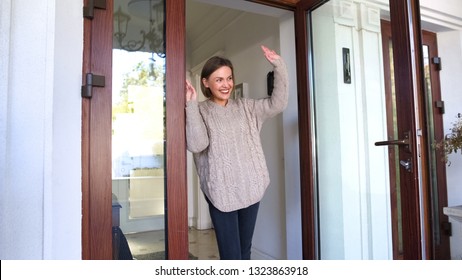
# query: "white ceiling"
204 18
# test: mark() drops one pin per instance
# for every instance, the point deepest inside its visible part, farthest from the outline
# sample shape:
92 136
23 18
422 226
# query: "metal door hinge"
437 61
440 105
92 81
89 11
447 228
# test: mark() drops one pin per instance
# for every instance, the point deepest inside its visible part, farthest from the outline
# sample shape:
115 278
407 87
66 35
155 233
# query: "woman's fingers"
190 91
269 54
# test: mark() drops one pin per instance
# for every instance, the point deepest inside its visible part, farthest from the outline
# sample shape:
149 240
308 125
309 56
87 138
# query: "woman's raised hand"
270 54
190 92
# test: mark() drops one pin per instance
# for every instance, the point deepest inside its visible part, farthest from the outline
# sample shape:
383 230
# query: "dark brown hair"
211 66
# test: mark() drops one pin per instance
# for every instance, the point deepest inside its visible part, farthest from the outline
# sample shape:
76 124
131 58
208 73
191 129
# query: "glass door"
127 122
350 116
366 173
138 125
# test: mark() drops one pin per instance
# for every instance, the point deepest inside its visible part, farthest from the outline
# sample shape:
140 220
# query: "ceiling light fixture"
151 40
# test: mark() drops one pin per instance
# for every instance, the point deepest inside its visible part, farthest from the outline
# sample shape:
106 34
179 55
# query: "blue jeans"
234 231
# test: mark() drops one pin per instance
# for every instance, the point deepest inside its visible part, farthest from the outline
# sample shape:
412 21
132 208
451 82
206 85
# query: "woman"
224 136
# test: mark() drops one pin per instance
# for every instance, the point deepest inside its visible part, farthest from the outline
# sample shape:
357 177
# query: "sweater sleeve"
269 107
197 138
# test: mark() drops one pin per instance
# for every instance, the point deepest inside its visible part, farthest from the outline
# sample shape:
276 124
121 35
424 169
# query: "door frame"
96 135
176 176
409 86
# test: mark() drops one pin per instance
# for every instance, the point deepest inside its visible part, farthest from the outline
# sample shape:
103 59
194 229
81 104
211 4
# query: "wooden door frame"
307 181
96 124
409 86
177 201
96 136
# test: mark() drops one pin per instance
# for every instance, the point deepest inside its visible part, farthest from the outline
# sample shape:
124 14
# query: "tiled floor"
202 243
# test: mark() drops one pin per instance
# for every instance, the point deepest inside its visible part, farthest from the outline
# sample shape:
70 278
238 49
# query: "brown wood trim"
307 184
306 171
86 255
101 136
309 5
96 139
282 4
86 143
177 210
405 24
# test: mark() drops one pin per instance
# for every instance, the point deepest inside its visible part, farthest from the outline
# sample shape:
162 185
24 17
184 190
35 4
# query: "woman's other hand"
270 54
190 92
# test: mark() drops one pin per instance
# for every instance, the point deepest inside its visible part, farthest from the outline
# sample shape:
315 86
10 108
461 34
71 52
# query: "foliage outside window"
452 142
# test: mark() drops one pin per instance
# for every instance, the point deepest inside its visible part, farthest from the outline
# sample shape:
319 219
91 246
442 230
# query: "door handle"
400 142
393 142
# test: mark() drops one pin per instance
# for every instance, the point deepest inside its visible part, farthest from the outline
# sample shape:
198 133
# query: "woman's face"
220 84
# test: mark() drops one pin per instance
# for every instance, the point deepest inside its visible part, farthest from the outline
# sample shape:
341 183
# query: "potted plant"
452 142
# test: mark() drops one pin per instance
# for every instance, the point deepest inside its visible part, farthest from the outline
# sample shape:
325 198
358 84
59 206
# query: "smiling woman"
224 136
217 80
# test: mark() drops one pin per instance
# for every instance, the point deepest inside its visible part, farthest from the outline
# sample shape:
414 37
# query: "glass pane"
355 181
393 153
138 112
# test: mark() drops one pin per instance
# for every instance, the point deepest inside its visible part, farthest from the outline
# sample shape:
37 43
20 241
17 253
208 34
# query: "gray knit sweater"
225 141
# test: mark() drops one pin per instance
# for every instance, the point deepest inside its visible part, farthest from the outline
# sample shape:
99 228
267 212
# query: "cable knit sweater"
225 141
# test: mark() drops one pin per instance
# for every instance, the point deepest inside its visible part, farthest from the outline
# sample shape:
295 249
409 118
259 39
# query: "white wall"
40 120
436 15
445 14
450 50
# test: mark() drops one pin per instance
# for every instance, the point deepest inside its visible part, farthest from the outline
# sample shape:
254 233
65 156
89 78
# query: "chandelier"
151 35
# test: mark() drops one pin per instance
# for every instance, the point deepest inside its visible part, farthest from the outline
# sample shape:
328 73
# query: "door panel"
350 116
437 238
350 186
96 143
